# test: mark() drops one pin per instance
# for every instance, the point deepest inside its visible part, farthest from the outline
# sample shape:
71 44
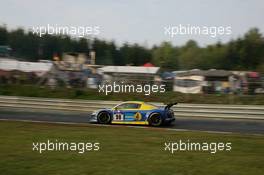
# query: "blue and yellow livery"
135 112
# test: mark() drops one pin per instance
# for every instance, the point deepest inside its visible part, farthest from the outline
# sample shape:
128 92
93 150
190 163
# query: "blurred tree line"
244 53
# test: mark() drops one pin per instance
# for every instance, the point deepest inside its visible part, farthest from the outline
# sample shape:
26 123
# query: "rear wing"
168 106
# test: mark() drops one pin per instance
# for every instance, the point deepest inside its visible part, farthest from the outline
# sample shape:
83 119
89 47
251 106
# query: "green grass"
88 94
123 150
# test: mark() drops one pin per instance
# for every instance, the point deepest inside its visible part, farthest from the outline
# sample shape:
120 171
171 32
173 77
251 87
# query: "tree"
252 50
166 56
212 57
103 53
3 35
190 56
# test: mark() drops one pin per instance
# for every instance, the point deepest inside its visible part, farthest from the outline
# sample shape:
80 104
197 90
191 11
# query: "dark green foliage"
244 53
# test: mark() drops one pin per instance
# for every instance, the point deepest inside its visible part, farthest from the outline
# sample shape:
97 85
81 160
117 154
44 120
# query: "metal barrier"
181 110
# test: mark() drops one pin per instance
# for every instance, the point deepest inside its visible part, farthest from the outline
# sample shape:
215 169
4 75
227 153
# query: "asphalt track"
194 124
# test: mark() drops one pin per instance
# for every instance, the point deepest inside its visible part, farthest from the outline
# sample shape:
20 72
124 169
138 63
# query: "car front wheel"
104 118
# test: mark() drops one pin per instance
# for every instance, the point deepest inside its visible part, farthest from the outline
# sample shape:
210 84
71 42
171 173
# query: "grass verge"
123 150
89 94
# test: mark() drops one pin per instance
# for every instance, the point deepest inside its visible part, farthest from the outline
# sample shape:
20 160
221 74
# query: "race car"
135 112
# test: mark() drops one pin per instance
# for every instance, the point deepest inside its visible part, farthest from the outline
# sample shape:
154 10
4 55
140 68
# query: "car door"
128 112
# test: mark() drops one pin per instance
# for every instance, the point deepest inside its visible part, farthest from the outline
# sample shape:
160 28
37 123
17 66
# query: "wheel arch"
155 119
160 112
105 111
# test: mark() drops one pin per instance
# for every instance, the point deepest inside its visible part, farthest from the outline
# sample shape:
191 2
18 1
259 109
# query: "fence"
181 110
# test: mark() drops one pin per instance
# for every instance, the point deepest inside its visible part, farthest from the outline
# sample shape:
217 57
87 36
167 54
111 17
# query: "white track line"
129 126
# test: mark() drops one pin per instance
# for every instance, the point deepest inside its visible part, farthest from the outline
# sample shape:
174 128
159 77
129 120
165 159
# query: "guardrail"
181 110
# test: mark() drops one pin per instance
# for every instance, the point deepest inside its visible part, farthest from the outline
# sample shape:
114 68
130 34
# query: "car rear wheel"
155 119
104 118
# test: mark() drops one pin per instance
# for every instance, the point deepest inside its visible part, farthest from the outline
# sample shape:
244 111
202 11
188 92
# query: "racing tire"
104 118
155 119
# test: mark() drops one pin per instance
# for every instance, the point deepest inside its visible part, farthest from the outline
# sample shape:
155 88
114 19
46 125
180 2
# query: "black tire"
104 118
155 119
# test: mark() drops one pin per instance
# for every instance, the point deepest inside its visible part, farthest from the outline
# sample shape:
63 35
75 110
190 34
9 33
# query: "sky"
138 21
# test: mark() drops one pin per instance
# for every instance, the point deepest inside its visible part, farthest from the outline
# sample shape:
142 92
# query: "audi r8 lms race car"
135 112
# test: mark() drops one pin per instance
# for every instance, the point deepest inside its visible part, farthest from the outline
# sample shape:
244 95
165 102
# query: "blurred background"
193 68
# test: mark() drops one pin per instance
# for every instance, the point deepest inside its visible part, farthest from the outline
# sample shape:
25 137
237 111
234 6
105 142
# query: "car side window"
133 106
128 106
121 106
